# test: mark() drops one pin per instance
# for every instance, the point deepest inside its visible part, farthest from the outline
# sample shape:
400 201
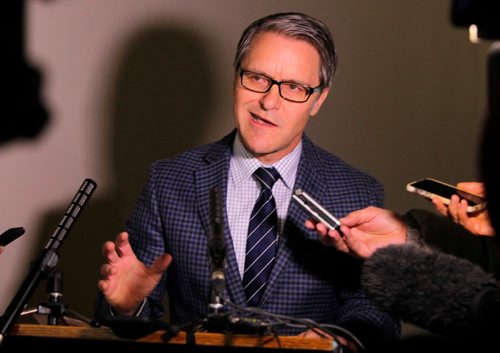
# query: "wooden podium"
44 338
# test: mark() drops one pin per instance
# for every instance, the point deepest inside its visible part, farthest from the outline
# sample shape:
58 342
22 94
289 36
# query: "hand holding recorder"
359 233
364 231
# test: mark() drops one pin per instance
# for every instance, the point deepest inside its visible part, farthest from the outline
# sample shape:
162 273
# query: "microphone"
10 235
444 294
48 258
216 250
77 204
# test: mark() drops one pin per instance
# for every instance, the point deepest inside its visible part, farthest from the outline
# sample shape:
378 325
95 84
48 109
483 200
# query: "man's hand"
126 281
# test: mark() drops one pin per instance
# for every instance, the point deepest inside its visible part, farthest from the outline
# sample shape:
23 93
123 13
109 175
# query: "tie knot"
267 177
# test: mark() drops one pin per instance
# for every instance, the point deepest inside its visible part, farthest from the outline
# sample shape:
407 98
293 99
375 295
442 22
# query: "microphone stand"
55 308
48 259
216 319
57 312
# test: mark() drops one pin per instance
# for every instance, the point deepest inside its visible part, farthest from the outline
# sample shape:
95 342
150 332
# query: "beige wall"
128 81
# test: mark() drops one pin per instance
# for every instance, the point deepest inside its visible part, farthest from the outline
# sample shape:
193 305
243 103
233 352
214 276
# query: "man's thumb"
161 263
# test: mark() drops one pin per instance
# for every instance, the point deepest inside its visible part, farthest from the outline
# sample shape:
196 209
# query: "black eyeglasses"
291 91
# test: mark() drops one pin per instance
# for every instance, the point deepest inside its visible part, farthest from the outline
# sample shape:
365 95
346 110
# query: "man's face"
270 127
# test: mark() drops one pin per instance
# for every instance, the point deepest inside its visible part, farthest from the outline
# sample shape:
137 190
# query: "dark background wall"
127 82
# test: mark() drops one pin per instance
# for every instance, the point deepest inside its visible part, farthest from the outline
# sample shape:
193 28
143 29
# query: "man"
283 70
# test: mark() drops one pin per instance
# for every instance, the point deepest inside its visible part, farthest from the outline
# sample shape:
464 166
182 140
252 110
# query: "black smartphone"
10 235
429 188
315 210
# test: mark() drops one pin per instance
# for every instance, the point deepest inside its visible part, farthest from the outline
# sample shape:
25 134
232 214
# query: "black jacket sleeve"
441 233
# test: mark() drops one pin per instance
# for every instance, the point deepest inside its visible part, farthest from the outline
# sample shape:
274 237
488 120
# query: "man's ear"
319 102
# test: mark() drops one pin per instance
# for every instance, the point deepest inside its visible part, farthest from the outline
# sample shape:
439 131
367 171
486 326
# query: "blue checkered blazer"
308 280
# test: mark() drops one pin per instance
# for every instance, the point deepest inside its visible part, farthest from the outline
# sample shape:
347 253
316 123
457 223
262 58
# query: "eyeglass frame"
310 90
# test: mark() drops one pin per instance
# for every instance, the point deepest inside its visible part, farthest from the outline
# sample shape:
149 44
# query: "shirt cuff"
137 313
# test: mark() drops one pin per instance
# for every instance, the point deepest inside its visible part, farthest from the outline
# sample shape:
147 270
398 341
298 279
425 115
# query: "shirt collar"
244 164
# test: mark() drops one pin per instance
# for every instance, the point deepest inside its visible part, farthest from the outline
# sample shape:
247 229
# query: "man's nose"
272 98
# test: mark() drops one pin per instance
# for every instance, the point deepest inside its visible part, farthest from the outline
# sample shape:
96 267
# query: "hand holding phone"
315 210
430 188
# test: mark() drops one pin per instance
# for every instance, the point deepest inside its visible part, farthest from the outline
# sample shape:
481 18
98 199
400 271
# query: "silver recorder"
315 210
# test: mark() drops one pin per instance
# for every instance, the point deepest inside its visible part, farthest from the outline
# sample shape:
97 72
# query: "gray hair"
299 26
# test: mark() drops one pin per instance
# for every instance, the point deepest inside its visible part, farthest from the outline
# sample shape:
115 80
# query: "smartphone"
315 210
429 188
10 235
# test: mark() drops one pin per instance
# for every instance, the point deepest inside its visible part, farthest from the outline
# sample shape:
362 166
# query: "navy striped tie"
261 240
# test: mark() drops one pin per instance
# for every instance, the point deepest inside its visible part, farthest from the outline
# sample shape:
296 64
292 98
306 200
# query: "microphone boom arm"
47 260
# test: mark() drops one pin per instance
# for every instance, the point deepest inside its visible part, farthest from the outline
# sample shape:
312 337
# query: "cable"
268 322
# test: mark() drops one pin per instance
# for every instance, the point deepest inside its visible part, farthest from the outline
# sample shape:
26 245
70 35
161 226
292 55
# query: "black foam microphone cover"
435 291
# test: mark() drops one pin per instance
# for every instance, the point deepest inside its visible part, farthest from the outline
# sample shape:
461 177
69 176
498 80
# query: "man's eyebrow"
285 80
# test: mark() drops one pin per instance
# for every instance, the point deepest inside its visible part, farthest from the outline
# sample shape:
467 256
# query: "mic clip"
218 285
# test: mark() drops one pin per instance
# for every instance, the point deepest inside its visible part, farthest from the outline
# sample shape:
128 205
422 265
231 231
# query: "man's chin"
266 155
